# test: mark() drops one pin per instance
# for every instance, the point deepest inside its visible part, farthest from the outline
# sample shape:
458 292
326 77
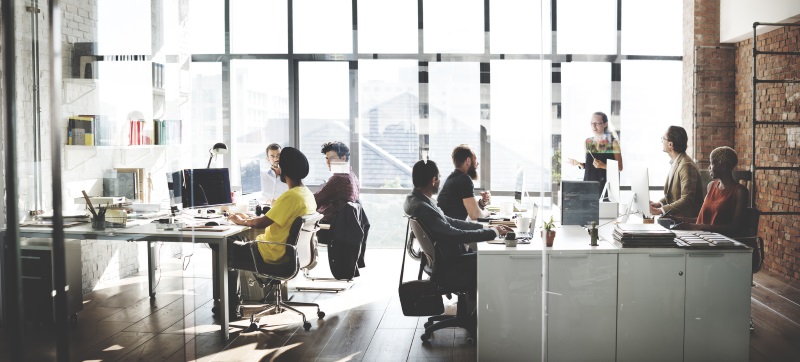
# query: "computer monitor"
519 186
612 180
250 171
640 184
203 187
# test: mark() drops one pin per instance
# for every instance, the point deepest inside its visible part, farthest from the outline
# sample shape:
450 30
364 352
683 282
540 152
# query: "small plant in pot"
547 231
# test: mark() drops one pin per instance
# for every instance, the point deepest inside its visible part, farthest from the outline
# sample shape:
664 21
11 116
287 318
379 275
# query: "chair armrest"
275 243
323 227
270 276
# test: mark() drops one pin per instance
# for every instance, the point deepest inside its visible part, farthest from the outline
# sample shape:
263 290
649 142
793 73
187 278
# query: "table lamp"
219 148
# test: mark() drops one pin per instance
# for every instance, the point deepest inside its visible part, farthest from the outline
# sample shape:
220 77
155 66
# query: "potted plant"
547 231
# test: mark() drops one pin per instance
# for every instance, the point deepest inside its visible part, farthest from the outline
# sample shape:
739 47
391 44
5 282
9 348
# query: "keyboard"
524 235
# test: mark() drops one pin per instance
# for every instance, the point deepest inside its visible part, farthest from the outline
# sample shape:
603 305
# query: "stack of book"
167 131
644 236
81 131
136 134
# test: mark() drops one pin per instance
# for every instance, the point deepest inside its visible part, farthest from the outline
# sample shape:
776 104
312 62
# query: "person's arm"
261 222
473 209
328 193
617 154
688 180
445 230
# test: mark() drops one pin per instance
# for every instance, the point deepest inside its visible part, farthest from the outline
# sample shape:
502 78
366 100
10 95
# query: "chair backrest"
425 242
301 235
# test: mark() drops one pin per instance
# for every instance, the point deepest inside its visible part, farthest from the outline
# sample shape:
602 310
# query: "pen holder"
98 223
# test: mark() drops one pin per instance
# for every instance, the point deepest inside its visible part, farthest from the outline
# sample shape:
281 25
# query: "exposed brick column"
776 145
708 86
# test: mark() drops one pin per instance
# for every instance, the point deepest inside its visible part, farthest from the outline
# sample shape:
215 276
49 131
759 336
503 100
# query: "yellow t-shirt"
298 201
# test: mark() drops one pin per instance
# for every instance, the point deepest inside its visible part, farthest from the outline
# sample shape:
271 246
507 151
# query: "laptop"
529 234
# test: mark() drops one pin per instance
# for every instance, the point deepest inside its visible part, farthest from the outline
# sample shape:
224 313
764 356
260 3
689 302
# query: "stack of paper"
644 236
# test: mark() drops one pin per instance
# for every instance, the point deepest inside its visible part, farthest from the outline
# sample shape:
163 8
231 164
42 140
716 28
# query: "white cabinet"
717 306
509 307
650 309
581 312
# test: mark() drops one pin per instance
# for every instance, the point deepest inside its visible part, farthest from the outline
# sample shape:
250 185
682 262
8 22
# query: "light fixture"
218 149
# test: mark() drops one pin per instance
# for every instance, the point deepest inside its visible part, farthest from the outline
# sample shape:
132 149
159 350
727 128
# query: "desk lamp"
219 148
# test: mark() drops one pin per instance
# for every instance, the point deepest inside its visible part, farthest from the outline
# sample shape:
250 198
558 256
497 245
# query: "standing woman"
600 148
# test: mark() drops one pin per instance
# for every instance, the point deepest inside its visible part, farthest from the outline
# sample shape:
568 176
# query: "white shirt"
271 185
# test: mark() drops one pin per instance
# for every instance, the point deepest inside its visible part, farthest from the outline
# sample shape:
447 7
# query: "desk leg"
222 280
215 273
151 268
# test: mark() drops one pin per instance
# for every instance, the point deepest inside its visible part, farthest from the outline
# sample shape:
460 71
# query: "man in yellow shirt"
297 201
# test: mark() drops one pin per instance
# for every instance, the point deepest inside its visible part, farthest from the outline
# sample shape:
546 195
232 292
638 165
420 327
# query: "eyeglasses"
334 158
596 124
663 139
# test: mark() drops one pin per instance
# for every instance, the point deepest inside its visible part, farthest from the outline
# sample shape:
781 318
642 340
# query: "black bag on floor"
418 298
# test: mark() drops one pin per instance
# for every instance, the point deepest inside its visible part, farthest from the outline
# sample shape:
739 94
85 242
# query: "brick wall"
776 145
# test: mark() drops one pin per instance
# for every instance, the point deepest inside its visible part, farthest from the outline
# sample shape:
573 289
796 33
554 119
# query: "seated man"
450 234
341 187
683 193
271 185
724 207
296 201
457 198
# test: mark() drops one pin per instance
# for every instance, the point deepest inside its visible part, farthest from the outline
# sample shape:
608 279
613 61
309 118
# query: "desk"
607 303
149 233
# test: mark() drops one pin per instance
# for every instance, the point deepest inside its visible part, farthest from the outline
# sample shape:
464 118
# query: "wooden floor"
365 323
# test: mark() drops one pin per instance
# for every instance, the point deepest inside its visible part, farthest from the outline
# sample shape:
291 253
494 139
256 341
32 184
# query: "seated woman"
723 209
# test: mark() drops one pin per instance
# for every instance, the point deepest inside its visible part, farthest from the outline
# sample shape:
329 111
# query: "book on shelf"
167 131
137 133
80 131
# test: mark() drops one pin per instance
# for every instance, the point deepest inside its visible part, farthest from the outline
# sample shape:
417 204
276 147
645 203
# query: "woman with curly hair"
723 209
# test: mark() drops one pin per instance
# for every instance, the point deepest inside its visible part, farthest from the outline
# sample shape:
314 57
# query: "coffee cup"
666 222
511 239
523 224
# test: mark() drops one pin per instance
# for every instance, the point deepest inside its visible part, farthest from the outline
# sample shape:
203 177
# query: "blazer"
683 192
449 234
349 232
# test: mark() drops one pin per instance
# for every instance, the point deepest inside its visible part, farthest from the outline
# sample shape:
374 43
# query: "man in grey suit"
683 190
450 235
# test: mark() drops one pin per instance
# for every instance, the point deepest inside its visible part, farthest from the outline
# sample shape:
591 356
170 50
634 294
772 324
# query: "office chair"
432 256
348 236
751 239
300 247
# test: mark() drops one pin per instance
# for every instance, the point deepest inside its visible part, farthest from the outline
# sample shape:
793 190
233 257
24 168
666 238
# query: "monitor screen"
640 184
612 177
251 176
204 187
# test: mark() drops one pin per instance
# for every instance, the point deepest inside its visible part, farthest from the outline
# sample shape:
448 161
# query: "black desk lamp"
218 149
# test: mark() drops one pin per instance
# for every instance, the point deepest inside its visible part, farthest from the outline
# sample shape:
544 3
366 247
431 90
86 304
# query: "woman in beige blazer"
683 190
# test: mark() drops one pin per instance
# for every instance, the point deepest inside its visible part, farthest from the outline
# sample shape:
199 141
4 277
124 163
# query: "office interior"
126 94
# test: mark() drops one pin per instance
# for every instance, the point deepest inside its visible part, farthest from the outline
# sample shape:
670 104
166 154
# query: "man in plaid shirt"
342 187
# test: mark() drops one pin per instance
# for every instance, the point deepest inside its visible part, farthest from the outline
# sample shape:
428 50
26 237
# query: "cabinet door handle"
710 255
665 255
568 256
525 256
32 278
30 257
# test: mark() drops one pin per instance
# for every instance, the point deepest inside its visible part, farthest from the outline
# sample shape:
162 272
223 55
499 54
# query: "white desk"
149 233
606 303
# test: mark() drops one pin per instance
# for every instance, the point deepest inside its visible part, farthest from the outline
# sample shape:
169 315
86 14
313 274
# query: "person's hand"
486 197
238 218
502 230
599 164
655 210
655 204
573 161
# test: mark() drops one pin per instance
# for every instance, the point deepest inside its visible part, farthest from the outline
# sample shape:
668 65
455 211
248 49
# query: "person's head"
675 139
723 161
425 176
335 152
465 160
293 164
273 154
599 122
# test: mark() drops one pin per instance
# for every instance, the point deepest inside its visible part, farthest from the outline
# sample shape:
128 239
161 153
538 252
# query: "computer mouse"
212 223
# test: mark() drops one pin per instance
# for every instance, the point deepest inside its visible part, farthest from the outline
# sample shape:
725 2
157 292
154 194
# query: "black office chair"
300 246
750 238
431 256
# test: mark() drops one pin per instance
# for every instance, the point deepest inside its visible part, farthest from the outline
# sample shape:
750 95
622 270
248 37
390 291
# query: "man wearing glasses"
683 190
271 185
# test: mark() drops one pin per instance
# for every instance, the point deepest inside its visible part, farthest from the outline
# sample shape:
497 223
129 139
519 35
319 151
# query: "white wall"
737 17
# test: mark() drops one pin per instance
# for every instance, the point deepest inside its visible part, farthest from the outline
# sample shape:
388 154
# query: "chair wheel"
427 324
425 337
470 341
321 314
306 326
252 328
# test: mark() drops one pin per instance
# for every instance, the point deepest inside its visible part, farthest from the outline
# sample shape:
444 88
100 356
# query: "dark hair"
340 148
423 172
602 115
460 154
677 135
273 147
